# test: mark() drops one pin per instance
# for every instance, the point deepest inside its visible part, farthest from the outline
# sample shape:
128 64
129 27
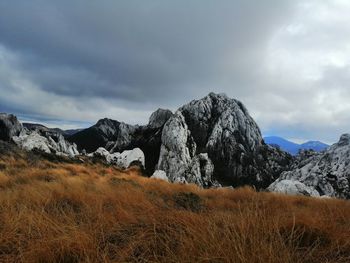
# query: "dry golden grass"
60 212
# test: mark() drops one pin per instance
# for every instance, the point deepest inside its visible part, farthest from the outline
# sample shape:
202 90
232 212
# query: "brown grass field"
65 212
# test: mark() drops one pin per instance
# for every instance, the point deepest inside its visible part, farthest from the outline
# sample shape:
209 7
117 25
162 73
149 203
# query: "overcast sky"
69 63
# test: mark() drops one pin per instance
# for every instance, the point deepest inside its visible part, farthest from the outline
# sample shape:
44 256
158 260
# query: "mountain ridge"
211 142
294 148
204 140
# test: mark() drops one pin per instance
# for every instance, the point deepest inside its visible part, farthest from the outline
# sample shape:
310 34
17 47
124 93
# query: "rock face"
32 141
130 157
177 149
291 187
215 137
123 160
9 126
328 173
49 143
201 170
37 137
116 136
209 141
178 155
161 175
40 127
103 132
159 118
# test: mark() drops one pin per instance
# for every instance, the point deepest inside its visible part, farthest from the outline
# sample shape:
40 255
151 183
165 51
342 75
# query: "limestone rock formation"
53 143
123 160
37 137
200 171
177 149
32 141
131 157
208 141
159 118
328 173
103 132
42 128
223 129
102 153
116 136
9 126
292 187
161 175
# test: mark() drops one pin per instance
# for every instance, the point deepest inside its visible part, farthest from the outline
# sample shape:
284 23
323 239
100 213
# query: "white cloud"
308 62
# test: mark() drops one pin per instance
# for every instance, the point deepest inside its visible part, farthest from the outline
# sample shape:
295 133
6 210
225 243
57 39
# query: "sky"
69 63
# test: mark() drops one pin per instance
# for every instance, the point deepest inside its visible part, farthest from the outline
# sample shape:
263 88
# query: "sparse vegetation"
54 211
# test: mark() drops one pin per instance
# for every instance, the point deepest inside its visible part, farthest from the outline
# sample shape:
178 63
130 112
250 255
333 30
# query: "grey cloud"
288 61
136 50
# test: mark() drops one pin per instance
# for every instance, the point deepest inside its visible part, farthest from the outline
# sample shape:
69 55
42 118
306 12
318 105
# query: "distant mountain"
314 145
293 148
284 144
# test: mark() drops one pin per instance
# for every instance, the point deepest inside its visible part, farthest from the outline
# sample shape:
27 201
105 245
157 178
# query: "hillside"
55 209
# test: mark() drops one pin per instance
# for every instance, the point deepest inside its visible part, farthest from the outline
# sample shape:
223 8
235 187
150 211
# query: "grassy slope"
59 212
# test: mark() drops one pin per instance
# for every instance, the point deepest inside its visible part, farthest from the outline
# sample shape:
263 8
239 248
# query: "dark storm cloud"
135 50
81 60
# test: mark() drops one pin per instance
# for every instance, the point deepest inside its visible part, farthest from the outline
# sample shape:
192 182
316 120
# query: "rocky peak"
55 133
35 126
159 118
43 129
9 126
344 140
223 129
104 132
213 138
221 115
107 126
117 136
